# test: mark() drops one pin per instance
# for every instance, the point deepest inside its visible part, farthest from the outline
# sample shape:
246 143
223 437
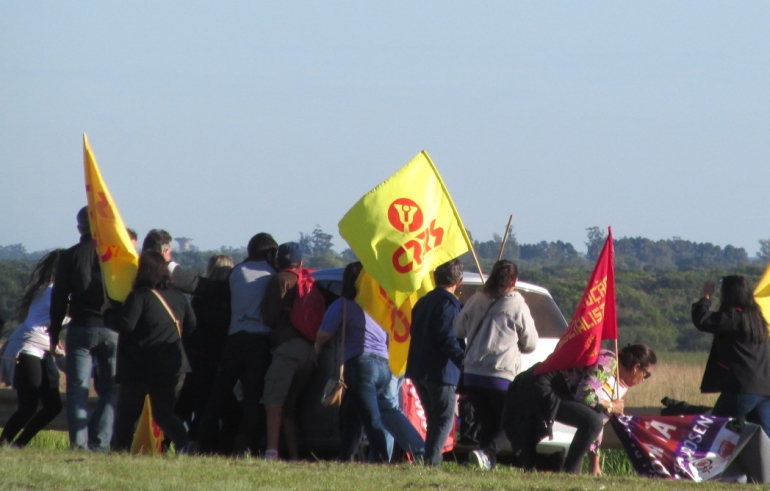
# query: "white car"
319 426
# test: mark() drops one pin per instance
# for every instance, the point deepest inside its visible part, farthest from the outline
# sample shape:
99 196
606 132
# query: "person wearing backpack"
294 308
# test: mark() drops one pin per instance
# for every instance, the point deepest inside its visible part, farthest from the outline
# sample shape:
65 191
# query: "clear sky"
218 120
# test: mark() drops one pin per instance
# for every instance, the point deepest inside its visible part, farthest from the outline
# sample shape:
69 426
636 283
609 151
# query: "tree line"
656 281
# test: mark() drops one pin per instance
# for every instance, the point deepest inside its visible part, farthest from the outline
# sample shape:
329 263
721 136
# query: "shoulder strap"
478 326
341 359
170 312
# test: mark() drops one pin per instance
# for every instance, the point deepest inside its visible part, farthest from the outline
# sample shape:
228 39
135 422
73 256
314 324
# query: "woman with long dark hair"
498 327
151 360
28 363
738 365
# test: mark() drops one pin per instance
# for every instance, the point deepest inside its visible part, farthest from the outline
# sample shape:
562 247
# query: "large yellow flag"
395 319
117 253
762 295
404 228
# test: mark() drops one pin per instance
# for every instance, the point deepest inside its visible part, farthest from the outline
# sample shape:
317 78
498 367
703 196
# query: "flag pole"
505 238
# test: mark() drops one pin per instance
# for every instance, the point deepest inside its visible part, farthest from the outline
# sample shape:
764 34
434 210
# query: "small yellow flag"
762 295
395 319
117 254
148 437
405 227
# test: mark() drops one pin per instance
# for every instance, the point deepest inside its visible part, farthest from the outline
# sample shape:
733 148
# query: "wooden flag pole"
505 238
478 265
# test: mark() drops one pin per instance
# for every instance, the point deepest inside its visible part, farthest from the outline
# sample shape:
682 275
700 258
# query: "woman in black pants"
27 361
590 395
151 360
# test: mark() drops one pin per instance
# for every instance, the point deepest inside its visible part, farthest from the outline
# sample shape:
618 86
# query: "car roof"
468 279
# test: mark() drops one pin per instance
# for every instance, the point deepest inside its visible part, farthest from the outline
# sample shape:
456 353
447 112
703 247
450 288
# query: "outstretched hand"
708 289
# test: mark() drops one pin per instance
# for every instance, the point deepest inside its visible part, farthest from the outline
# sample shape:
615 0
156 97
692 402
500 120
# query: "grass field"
47 463
677 375
50 469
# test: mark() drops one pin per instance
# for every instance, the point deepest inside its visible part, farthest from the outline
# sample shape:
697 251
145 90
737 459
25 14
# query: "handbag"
335 387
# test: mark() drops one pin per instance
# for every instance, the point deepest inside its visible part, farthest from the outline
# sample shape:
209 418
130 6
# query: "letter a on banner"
117 254
594 321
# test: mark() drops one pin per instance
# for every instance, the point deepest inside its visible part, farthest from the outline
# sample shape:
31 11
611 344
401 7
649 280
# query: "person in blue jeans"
367 376
738 365
435 356
78 287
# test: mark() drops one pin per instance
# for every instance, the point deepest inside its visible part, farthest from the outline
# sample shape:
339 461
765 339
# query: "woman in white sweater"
498 327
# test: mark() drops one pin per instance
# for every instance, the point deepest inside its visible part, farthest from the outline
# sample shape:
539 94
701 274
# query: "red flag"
594 321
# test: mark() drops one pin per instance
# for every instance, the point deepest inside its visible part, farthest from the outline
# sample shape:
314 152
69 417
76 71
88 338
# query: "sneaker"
271 455
480 459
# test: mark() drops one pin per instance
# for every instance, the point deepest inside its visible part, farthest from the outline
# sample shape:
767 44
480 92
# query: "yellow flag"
404 228
395 319
117 254
762 295
148 437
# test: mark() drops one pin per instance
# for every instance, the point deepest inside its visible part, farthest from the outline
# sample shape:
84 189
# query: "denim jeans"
438 402
86 345
407 437
367 377
755 408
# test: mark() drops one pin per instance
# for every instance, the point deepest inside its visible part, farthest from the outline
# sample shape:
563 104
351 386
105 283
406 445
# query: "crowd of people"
224 369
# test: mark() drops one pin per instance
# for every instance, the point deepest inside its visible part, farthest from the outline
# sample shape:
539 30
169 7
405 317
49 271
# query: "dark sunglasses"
647 373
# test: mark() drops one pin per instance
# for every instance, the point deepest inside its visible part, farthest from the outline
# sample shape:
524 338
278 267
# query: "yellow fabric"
117 254
762 295
393 318
148 438
405 227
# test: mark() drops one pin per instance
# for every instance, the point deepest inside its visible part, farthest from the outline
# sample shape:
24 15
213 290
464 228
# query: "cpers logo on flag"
407 217
405 227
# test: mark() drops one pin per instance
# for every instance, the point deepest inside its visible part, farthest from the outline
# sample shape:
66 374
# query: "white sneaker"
480 459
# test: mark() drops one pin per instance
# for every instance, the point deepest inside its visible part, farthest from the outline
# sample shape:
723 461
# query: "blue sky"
218 120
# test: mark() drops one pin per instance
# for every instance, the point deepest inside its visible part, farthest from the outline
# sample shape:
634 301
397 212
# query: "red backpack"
309 307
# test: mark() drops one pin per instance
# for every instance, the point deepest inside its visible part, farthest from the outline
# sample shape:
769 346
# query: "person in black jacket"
79 290
151 359
435 356
738 365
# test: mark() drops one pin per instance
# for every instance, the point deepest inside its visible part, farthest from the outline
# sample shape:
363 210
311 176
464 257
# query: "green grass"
50 469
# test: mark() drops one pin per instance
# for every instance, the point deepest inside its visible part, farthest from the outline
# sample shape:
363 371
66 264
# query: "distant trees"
764 251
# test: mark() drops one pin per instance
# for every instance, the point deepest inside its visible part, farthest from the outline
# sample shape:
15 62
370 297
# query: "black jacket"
78 284
735 364
149 344
531 404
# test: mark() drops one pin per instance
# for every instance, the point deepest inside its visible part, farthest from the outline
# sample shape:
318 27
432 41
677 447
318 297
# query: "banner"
148 437
117 254
594 321
405 227
394 319
696 447
762 295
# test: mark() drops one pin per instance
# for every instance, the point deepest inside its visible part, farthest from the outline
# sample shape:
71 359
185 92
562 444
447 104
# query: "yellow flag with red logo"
401 231
762 295
405 227
117 254
148 437
395 319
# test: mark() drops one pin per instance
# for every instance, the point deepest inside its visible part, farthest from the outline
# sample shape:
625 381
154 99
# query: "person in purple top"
367 374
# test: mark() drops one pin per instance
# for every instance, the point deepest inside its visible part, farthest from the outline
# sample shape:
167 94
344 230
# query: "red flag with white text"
594 321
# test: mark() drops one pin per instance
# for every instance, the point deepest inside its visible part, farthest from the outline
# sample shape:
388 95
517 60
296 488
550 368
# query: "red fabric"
594 321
